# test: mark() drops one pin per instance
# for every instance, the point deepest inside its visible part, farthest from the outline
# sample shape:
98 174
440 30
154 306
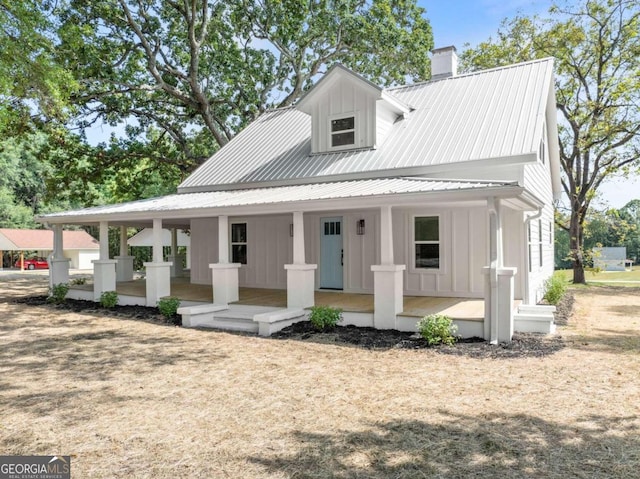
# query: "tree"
597 50
33 86
189 74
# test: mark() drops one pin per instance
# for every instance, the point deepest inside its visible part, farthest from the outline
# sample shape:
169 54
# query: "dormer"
349 112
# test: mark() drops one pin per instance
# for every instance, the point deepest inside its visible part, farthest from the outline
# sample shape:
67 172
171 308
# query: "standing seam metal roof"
282 194
491 114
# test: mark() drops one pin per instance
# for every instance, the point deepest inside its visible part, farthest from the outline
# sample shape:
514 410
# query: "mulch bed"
522 345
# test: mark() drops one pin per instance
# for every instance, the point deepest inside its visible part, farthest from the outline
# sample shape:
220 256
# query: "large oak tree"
187 75
596 44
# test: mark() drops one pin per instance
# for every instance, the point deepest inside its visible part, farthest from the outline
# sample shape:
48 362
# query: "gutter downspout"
527 221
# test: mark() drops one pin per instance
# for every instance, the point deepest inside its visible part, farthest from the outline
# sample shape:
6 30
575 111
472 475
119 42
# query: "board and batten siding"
537 179
347 97
269 248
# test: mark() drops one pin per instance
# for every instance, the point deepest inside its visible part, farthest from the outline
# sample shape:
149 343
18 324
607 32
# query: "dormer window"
343 131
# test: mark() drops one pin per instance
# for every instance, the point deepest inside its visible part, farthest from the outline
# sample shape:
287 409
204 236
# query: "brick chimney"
444 63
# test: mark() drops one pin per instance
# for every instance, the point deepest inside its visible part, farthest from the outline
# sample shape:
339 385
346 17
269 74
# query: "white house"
441 189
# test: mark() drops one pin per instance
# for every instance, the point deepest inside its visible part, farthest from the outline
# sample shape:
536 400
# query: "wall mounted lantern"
360 227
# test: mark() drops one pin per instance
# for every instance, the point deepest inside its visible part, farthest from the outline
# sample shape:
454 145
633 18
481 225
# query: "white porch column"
158 271
499 289
124 266
58 264
301 276
104 269
175 258
387 277
224 274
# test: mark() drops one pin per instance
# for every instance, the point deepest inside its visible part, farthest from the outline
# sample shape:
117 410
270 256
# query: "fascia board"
365 175
395 104
329 79
398 199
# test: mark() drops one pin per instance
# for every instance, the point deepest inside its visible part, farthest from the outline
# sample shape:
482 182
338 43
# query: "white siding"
344 99
204 248
360 251
463 252
385 119
537 179
269 248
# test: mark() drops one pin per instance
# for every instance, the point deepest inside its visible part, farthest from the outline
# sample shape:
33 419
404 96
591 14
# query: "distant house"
612 258
440 189
79 246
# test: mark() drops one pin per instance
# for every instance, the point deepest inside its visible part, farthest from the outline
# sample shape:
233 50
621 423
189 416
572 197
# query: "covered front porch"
358 309
272 236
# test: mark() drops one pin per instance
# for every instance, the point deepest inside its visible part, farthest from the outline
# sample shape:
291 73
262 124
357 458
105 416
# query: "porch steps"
245 318
534 318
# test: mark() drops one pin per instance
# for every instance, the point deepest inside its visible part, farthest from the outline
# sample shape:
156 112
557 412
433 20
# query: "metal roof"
492 114
219 200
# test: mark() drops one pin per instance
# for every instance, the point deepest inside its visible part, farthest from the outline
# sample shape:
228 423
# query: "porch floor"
414 306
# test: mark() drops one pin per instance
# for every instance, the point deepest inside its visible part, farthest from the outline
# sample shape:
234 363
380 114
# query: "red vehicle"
33 263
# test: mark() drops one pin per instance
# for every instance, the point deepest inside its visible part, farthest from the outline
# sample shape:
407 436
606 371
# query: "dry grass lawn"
129 399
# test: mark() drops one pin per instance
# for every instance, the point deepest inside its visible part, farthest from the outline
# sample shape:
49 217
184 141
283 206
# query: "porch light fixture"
291 229
360 227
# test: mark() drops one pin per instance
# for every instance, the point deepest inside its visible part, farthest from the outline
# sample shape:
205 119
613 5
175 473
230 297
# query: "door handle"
341 257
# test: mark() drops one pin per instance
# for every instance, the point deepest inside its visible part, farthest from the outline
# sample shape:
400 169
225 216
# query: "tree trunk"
576 247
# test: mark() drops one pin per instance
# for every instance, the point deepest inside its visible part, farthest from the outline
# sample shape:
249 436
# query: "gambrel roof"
484 118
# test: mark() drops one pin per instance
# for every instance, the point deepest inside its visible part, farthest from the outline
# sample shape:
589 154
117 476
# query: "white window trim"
412 245
234 243
356 131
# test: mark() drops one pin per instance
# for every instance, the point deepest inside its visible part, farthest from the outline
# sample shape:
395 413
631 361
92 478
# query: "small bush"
554 289
325 318
437 329
169 308
58 293
79 281
109 299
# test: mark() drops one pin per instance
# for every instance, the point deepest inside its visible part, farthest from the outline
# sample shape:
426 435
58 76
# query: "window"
530 249
543 145
332 228
343 132
540 241
239 243
427 242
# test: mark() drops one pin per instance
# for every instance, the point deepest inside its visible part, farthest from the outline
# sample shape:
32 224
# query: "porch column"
301 276
387 277
124 266
224 273
104 269
58 264
499 289
175 258
158 271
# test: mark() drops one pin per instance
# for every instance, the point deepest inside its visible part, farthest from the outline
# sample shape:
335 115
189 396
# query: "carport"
79 246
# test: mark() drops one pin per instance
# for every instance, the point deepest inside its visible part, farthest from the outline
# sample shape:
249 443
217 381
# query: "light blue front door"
331 253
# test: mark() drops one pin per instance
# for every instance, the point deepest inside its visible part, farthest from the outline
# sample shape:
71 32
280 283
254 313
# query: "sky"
458 22
461 22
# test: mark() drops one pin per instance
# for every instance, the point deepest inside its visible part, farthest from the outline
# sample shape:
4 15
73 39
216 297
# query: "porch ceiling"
367 193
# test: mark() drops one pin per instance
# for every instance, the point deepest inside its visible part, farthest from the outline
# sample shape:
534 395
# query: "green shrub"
169 308
325 318
438 328
554 289
109 299
79 281
58 292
